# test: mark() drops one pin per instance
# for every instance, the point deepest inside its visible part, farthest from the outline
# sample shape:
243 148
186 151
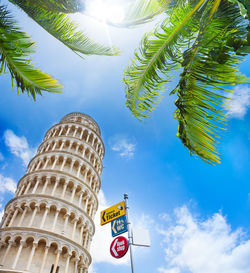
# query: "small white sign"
141 237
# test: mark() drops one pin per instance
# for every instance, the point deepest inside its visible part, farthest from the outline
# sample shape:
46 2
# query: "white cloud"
7 184
124 146
171 270
102 239
204 246
240 101
18 146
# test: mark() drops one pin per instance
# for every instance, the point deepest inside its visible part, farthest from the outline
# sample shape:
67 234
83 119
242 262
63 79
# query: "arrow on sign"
113 248
113 227
104 220
119 247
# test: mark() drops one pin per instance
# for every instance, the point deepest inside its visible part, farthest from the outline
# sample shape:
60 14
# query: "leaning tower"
48 226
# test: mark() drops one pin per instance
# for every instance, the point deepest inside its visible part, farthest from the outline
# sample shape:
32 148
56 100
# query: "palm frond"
243 6
65 6
202 38
60 26
158 56
140 12
15 49
209 65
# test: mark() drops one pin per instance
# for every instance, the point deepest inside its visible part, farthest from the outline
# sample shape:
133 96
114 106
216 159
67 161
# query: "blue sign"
119 226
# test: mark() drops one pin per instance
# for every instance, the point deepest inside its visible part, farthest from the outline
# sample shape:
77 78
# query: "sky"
197 214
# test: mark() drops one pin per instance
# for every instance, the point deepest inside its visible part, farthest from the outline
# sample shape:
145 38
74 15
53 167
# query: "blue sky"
197 214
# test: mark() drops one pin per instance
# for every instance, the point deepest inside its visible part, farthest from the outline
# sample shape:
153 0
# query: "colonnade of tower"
48 226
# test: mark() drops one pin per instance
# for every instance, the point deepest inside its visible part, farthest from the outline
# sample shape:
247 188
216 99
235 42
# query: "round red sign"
119 247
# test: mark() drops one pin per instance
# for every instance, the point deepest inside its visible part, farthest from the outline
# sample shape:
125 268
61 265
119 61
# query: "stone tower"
48 226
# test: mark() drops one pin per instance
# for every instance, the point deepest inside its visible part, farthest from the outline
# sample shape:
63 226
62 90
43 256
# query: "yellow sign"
112 213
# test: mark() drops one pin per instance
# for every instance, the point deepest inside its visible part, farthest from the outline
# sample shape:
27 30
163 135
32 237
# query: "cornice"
79 124
36 232
53 172
52 198
54 153
66 138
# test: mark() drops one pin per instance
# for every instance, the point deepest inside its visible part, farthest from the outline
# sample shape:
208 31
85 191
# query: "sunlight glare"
106 10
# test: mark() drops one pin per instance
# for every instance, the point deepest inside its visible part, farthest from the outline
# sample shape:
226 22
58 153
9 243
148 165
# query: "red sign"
119 247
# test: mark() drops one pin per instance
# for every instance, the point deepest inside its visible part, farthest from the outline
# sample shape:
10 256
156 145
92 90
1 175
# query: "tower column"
76 263
78 171
55 219
45 185
6 220
56 261
28 187
71 167
81 134
86 239
46 163
65 222
80 199
74 134
44 258
10 243
67 264
74 229
31 256
38 165
61 131
63 163
67 133
21 190
81 234
33 216
22 243
55 186
23 214
73 193
36 185
62 145
13 217
64 189
86 204
44 217
54 163
47 148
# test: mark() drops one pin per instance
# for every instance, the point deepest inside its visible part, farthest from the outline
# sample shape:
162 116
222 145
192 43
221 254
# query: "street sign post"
119 247
112 213
118 215
130 235
119 226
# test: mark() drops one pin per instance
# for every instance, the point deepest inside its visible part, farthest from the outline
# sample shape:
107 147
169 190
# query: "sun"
112 11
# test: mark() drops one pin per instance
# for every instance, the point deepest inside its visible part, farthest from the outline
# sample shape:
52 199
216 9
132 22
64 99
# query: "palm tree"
53 16
204 41
16 46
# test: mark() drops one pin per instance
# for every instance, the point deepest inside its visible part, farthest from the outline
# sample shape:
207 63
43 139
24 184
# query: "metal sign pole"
130 236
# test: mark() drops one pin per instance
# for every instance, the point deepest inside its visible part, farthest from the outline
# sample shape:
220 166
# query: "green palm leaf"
196 39
15 49
209 65
157 57
60 26
65 6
